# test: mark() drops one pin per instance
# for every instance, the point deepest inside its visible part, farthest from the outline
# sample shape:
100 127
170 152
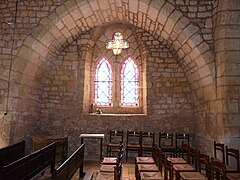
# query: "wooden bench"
71 165
31 165
12 153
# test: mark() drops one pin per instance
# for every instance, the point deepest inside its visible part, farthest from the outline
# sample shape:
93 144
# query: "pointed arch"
103 83
129 83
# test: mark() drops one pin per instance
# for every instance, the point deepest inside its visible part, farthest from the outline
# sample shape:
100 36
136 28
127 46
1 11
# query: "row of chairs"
142 142
194 166
111 167
225 154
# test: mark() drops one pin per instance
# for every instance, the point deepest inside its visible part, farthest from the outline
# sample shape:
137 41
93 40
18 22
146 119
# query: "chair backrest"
161 160
121 148
182 137
233 154
165 139
116 136
118 171
133 137
192 157
183 149
147 138
203 164
155 153
219 148
217 170
167 169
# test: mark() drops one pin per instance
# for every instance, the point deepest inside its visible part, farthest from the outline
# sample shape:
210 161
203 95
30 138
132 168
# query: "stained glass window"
129 83
117 44
103 83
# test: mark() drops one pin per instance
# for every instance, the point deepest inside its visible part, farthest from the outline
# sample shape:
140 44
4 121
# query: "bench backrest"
12 153
31 165
71 165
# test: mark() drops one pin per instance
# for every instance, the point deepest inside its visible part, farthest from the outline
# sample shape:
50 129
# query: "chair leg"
107 151
139 152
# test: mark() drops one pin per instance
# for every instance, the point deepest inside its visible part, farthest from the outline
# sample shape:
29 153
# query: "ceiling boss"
117 44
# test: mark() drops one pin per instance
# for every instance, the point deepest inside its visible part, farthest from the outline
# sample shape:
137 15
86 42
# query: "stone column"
227 54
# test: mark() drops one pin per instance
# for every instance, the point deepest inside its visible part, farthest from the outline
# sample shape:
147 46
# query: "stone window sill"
94 114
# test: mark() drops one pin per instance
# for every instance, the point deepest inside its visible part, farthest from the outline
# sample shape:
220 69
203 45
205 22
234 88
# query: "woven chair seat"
104 176
192 176
148 167
145 160
233 176
151 176
177 160
107 168
109 160
183 167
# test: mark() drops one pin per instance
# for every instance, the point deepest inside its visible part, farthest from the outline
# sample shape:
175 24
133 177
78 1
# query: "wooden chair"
115 175
183 149
232 172
174 161
133 143
113 160
145 164
114 142
151 176
167 167
182 138
233 155
202 164
148 160
166 143
219 149
217 170
110 167
147 142
190 167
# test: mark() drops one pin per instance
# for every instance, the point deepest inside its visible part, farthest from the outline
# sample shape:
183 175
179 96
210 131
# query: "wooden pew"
71 165
12 153
31 165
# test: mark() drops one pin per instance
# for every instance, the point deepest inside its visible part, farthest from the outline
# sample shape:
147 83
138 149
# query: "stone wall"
227 49
169 97
194 40
23 115
201 14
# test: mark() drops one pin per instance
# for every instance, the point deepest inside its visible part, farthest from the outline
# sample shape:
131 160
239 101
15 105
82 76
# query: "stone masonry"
187 49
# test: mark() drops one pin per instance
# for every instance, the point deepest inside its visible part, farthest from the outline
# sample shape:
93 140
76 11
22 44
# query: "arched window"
129 83
103 83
